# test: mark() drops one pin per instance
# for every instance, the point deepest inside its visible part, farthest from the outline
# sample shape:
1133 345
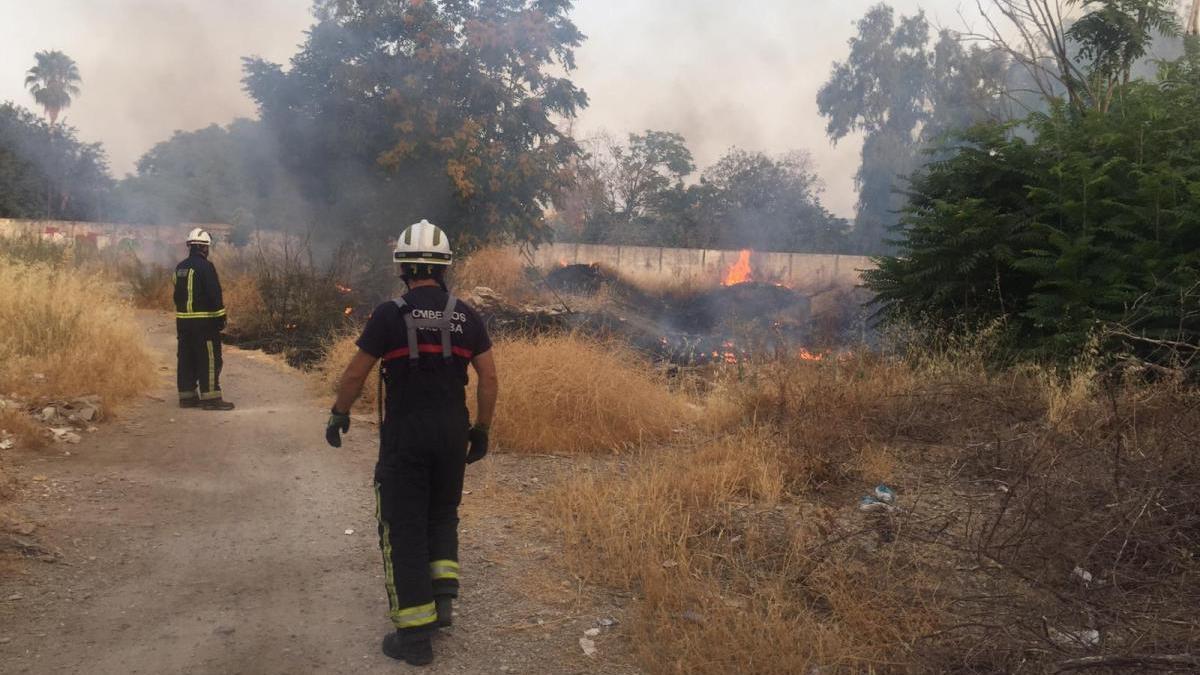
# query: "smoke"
149 67
722 74
726 74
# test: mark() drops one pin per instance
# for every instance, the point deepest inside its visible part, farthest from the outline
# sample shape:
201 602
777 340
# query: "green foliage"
654 164
903 90
1111 37
393 112
53 80
217 174
46 172
636 194
1091 228
751 200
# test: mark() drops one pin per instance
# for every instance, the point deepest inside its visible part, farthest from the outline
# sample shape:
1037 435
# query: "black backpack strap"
414 352
447 317
443 325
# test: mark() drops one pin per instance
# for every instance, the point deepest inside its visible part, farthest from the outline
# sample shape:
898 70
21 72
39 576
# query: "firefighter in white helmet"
199 320
426 339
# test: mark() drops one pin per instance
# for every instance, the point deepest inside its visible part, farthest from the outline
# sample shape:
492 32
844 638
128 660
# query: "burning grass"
1042 521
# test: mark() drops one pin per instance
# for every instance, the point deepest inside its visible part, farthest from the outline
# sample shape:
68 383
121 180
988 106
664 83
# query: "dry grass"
65 335
749 554
24 432
559 394
244 303
572 394
150 286
328 372
500 268
732 572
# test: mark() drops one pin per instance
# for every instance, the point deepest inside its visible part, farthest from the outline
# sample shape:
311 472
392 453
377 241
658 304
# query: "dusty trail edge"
187 541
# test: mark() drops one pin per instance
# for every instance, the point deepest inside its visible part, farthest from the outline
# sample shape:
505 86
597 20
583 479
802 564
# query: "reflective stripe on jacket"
197 289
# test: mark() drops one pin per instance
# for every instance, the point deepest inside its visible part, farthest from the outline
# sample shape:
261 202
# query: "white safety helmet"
422 243
199 237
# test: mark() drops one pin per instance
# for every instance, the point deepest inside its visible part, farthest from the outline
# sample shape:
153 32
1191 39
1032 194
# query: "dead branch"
1131 661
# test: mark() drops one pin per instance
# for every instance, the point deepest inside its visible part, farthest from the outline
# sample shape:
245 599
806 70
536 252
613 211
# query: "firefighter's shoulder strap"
412 324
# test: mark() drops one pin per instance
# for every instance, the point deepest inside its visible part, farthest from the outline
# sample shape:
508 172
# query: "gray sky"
722 73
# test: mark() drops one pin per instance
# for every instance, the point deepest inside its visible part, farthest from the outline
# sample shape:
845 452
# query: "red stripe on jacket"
402 352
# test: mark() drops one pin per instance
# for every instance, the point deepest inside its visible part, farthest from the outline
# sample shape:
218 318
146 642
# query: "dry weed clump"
734 574
558 394
244 303
1047 522
499 268
20 427
336 355
281 300
571 393
65 335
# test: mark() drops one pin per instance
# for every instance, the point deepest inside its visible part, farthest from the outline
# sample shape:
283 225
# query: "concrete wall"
152 243
651 264
646 264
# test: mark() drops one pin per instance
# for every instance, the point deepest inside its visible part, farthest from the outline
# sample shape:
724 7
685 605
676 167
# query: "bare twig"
1131 661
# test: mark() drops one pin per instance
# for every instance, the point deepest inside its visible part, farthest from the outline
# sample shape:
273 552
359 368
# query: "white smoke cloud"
721 73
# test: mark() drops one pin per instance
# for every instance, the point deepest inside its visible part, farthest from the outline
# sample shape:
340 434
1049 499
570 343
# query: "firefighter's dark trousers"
418 487
199 358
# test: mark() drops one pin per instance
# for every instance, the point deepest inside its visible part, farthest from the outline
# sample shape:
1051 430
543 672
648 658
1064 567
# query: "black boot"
445 610
216 404
189 403
413 650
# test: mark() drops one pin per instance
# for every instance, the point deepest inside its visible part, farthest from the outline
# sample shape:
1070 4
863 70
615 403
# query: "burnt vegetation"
1023 373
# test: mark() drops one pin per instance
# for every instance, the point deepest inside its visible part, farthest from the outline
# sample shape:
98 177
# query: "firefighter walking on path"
426 340
199 320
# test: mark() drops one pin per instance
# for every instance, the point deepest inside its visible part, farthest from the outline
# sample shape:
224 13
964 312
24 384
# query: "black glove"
338 424
478 436
221 321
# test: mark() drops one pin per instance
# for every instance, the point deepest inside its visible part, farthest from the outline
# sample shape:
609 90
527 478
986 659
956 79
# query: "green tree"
752 200
53 81
902 90
1092 227
226 174
1079 58
446 110
37 160
1112 36
653 163
636 195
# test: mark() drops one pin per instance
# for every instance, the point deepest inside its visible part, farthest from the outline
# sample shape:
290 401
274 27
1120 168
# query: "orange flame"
343 288
806 355
562 262
741 272
348 311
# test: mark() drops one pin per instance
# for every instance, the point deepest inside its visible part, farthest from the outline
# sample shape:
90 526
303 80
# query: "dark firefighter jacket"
197 290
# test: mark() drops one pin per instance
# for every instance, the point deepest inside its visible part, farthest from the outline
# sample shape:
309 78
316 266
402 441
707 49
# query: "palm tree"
53 80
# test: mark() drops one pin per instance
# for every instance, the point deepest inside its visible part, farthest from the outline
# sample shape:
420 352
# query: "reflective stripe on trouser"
211 391
443 569
199 360
411 616
418 487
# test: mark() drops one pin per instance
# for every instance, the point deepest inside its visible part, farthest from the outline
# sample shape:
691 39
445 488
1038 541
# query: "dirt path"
202 542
